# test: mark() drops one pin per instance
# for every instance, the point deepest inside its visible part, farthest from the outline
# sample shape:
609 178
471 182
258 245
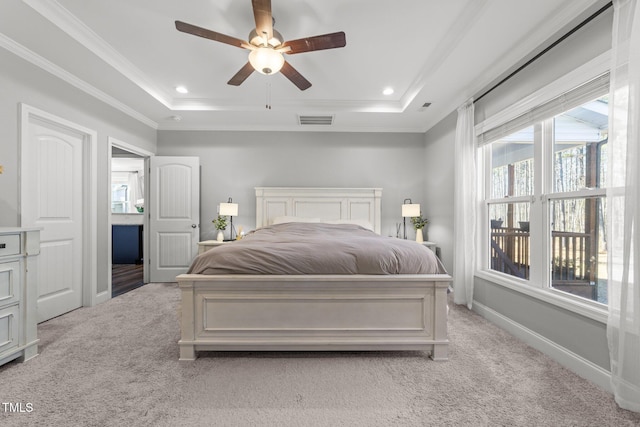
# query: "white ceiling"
129 54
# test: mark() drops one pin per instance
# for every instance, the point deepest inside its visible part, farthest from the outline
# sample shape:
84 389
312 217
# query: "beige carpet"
116 365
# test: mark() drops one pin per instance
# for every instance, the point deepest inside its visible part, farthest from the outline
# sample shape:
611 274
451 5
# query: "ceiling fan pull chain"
268 96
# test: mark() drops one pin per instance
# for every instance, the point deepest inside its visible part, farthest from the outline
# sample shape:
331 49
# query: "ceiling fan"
267 46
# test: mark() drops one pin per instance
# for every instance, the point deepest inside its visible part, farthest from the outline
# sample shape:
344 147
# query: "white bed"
314 312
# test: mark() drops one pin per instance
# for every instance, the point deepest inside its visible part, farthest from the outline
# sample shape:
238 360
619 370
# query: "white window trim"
513 199
536 286
579 194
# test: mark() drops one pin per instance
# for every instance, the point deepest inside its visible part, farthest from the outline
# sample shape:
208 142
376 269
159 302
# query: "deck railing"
573 267
571 261
510 251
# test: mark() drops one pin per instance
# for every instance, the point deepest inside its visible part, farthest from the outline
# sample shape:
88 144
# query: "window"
577 202
512 172
545 198
119 193
127 185
510 246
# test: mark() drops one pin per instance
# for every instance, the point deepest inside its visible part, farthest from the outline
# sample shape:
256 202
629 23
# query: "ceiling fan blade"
308 44
295 77
241 75
211 35
263 18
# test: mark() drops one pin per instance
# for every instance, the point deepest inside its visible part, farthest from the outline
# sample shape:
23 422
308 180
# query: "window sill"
591 310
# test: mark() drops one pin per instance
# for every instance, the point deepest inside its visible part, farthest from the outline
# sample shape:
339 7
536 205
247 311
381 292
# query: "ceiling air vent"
424 106
315 120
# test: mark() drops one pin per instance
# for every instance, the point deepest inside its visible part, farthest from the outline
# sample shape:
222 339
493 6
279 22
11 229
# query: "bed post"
187 348
441 344
259 207
377 208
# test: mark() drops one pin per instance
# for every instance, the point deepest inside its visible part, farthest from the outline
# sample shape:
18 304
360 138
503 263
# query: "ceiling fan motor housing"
258 40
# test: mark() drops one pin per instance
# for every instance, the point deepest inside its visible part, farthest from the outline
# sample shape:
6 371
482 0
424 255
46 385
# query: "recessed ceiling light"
181 89
388 91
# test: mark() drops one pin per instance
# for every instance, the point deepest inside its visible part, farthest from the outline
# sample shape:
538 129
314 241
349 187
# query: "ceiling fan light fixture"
265 60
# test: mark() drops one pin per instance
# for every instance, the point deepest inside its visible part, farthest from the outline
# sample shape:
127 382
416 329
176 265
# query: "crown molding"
67 22
46 65
53 11
525 46
455 34
296 128
207 104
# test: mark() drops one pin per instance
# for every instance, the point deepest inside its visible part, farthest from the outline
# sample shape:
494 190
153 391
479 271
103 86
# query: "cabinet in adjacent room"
127 244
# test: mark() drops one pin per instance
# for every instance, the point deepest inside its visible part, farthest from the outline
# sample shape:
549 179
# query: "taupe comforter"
314 248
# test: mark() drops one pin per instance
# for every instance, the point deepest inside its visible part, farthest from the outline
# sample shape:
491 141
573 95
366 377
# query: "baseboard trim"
570 360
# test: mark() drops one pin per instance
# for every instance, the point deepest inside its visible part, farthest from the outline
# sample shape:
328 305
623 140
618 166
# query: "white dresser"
19 250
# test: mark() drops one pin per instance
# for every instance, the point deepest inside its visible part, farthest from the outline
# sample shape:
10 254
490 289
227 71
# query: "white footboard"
322 313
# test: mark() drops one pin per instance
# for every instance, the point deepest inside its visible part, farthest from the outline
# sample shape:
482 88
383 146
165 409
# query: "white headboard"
325 203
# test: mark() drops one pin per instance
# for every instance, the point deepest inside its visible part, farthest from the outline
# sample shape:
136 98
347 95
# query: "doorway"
127 226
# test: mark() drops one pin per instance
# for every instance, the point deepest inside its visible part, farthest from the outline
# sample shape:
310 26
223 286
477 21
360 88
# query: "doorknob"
193 225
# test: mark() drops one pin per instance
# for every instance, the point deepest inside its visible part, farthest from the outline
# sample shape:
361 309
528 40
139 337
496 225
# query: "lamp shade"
229 209
411 210
265 60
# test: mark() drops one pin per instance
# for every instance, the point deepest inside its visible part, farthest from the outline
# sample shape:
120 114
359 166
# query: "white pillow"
361 222
283 219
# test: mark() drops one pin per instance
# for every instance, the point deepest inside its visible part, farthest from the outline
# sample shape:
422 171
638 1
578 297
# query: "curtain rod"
547 49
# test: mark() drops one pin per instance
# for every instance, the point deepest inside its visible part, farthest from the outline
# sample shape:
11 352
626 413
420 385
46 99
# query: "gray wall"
439 155
574 332
233 163
579 334
22 82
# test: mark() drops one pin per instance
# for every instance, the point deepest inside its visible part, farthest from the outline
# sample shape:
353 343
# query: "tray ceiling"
129 54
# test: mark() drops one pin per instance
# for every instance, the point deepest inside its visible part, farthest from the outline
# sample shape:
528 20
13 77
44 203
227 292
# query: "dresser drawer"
9 282
9 244
9 332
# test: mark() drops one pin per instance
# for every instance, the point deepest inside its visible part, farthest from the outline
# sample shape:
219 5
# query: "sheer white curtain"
134 191
623 198
465 182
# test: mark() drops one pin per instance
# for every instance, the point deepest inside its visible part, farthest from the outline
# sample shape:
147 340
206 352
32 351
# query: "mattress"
317 248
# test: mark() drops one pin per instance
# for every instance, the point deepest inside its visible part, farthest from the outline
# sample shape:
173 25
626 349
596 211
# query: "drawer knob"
3 245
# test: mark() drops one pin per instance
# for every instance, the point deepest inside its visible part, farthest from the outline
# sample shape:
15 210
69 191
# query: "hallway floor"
125 277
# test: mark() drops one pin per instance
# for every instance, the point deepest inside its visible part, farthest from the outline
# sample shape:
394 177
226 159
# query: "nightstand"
430 245
205 245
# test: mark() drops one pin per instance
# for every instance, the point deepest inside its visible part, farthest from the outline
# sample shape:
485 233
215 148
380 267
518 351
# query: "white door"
52 198
174 216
